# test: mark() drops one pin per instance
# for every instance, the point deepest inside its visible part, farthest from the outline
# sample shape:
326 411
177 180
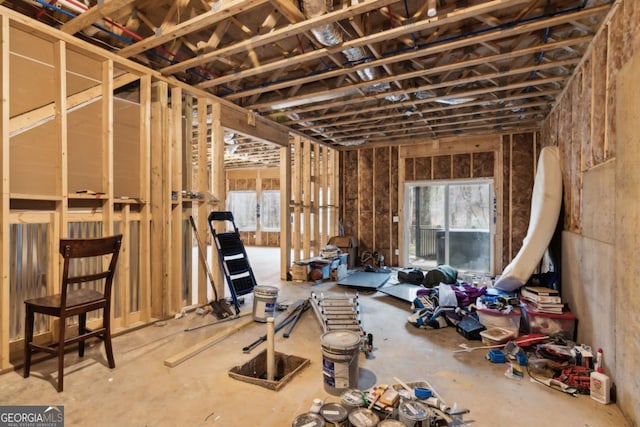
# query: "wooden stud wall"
313 172
285 210
64 130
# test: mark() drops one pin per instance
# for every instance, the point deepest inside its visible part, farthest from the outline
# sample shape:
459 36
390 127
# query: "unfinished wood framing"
314 197
5 337
296 196
175 177
306 199
285 211
202 181
64 140
143 312
159 208
102 142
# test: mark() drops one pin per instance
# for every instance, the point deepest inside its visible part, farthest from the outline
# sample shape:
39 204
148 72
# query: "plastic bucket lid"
334 413
352 398
413 411
340 341
265 290
363 417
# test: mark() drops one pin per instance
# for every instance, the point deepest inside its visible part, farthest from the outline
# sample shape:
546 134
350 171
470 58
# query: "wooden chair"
78 297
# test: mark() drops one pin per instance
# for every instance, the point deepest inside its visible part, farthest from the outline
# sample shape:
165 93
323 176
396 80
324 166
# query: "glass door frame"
409 186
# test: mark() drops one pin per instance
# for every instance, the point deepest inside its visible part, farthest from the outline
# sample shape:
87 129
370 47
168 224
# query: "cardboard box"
348 245
300 271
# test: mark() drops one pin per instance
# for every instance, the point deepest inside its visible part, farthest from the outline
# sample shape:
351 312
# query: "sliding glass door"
449 222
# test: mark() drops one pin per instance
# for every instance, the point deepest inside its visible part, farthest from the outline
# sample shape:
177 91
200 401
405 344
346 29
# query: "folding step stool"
232 256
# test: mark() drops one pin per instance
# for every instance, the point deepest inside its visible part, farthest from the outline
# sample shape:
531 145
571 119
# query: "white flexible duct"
330 35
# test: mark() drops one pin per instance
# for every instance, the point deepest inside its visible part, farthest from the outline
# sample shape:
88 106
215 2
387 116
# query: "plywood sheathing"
522 173
507 250
126 137
382 210
605 112
350 196
366 190
627 241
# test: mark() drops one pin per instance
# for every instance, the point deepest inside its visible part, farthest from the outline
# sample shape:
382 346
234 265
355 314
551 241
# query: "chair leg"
82 329
62 326
28 337
106 321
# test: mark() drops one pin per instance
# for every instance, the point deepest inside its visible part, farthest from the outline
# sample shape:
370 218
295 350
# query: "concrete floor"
142 391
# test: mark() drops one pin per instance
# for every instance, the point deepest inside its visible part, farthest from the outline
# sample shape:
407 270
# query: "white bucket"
414 414
264 302
340 350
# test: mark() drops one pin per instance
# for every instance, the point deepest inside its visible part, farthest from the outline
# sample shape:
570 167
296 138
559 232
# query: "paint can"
308 420
414 414
334 414
352 399
340 350
363 417
264 302
390 423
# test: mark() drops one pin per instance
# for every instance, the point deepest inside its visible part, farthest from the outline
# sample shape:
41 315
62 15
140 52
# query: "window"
270 210
243 205
449 223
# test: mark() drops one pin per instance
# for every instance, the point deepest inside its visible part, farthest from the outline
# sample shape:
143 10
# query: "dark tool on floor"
232 256
290 318
219 308
305 306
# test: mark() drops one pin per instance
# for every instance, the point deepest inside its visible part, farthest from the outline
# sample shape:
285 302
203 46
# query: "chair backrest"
71 249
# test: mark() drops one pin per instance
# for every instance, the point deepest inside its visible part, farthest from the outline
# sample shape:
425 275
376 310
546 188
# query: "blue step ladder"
232 256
